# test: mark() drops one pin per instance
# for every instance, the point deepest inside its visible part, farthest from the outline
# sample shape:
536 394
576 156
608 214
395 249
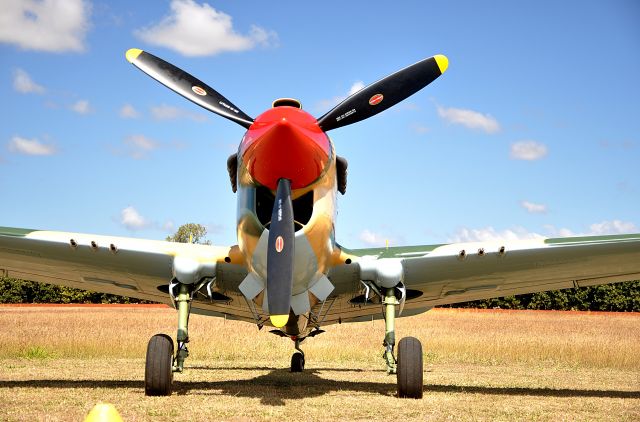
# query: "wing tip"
132 54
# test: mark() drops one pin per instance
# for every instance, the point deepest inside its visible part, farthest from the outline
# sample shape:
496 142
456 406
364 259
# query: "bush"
21 291
618 297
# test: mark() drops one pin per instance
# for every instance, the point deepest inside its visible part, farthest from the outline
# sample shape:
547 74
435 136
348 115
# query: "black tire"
158 372
410 368
297 362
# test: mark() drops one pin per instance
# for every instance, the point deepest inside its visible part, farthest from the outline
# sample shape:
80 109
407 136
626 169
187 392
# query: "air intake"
286 102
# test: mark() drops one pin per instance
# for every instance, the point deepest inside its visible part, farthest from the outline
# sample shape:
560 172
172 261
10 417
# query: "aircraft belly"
306 275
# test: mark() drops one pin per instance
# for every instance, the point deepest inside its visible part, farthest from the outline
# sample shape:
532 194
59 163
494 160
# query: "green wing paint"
15 232
394 251
593 239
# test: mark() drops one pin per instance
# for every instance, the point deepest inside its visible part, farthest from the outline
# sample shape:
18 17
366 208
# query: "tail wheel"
297 362
158 372
410 368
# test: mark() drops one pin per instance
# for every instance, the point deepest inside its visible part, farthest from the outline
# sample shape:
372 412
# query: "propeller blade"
385 93
186 85
280 256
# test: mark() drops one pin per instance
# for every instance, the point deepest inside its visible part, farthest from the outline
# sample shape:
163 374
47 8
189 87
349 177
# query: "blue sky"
533 131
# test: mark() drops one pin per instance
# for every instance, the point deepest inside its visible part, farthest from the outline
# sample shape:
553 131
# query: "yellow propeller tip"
279 321
132 54
442 61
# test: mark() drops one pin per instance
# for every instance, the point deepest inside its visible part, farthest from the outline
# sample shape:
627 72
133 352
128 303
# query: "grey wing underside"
140 269
433 275
130 267
447 274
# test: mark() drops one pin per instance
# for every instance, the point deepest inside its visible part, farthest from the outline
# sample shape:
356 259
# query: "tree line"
619 297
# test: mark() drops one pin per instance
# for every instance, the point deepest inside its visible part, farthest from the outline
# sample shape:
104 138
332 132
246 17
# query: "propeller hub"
285 142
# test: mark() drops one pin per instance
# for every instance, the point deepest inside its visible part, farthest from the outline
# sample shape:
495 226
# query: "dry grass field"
57 362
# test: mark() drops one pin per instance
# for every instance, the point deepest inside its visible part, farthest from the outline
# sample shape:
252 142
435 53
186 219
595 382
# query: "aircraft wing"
450 273
124 266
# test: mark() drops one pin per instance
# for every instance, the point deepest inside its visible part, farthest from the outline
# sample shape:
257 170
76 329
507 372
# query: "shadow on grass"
280 385
268 368
531 391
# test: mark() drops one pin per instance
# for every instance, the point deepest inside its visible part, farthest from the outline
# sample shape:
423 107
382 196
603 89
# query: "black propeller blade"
187 86
280 256
385 93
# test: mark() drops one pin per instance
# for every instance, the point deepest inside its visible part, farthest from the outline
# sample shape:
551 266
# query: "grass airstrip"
57 362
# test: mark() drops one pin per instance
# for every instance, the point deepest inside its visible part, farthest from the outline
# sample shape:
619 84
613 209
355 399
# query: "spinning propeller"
287 149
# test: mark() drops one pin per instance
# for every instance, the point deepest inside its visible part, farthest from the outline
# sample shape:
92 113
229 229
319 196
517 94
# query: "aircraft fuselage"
285 142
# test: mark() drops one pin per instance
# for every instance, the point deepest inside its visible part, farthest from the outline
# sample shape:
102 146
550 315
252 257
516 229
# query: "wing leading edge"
432 274
460 272
129 267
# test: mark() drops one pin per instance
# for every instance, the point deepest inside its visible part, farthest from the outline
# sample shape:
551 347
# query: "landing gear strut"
297 359
408 365
161 363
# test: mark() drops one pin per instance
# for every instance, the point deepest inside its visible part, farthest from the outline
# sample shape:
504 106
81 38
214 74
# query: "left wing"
445 274
124 266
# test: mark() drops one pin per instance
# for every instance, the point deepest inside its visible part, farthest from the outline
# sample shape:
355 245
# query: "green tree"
190 233
617 297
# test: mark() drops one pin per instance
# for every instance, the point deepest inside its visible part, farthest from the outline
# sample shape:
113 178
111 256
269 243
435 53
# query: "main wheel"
410 368
297 362
158 372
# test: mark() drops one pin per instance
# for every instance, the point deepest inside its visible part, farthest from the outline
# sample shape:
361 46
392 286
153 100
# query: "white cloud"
597 229
82 107
488 234
23 83
129 112
357 86
469 118
420 129
47 25
612 227
30 147
200 30
378 239
528 150
552 231
167 112
169 226
327 104
139 146
371 238
132 220
533 208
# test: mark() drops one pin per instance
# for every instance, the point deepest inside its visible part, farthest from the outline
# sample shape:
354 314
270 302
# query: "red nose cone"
285 142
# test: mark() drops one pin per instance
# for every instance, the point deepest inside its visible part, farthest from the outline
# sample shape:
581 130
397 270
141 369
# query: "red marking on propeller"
279 244
198 90
376 99
285 142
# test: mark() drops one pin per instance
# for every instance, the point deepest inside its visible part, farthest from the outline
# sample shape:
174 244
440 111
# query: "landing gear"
158 372
297 359
161 363
410 368
297 362
408 365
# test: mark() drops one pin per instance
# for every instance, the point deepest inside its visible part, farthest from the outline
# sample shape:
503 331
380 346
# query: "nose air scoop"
285 142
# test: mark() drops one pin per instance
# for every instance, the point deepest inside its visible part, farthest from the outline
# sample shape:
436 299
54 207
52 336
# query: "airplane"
287 271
